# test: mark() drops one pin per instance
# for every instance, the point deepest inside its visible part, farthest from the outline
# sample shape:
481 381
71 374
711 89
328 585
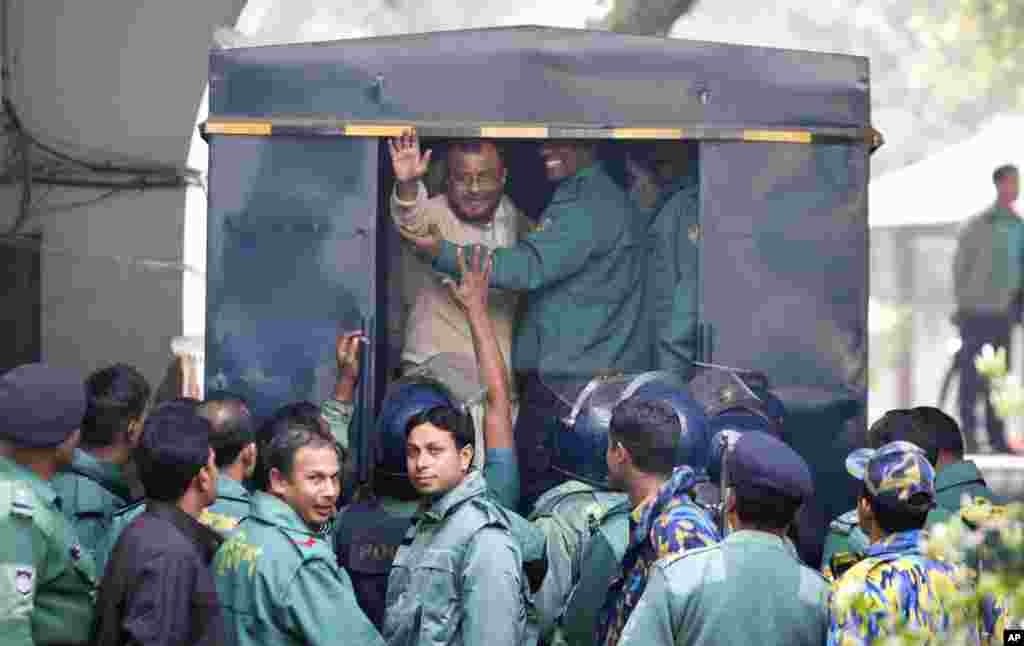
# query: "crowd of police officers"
644 507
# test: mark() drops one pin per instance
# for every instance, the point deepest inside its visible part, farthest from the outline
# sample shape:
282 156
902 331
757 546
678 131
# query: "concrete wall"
122 76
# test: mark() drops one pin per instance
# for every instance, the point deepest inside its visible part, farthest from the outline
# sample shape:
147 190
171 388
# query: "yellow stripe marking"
779 136
369 130
514 132
647 133
258 128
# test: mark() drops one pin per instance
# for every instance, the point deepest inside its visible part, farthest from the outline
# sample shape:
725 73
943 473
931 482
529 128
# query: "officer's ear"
466 457
135 431
248 457
865 514
730 500
277 482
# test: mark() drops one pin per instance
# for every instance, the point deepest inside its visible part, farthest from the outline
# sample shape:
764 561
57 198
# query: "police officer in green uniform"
940 437
232 439
457 578
665 184
570 515
955 477
94 486
47 580
370 531
582 272
277 577
752 587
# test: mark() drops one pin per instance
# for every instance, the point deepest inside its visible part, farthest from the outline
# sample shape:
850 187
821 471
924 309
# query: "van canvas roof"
544 75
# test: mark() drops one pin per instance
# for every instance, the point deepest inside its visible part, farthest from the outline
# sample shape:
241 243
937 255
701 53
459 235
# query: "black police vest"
366 541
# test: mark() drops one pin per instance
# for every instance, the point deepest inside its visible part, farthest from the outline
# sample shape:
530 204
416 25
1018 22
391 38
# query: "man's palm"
406 159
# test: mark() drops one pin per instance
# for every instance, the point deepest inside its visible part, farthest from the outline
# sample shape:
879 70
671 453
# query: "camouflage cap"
898 470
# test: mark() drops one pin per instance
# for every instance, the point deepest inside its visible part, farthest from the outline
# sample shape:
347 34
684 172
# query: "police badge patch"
24 578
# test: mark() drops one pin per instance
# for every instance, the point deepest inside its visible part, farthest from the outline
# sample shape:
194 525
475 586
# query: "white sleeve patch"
17 590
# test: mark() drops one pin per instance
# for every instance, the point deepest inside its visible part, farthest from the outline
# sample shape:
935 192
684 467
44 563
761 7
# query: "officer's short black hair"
232 427
650 430
302 414
446 418
1004 171
280 452
768 511
175 446
942 430
115 396
891 515
905 425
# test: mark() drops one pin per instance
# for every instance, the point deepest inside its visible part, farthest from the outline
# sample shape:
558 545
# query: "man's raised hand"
471 292
406 160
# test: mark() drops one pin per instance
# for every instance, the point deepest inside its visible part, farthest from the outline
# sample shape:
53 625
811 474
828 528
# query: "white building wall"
95 78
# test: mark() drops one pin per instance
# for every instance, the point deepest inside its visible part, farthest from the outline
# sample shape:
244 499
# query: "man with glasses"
473 211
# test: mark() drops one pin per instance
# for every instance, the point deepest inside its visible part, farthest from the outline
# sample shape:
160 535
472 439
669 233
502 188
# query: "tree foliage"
972 50
645 17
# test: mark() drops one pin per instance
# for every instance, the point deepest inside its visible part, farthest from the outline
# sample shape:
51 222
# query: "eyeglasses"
484 182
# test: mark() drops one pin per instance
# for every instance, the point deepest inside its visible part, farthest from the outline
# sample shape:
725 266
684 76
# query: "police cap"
762 465
40 406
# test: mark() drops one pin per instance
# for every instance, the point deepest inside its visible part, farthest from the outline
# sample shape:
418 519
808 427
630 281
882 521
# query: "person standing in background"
987 278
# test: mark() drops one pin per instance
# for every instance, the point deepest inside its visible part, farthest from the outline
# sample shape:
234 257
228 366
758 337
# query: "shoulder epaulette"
494 514
551 498
665 561
16 500
127 509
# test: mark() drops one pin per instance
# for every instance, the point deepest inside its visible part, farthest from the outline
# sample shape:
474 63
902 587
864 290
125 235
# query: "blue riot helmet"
693 444
737 401
582 444
407 398
446 380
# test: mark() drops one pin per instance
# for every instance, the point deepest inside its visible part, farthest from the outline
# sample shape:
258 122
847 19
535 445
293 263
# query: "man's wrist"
407 192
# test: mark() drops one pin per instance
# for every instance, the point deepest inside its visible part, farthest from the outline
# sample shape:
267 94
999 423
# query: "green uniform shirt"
583 274
231 506
749 589
47 580
568 515
673 271
90 492
279 583
457 578
954 481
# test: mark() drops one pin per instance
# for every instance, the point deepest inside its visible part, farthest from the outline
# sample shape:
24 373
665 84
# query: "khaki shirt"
430 321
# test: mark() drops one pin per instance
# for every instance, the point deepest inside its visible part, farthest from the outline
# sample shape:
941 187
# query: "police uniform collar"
40 487
957 474
108 475
207 539
272 510
757 537
231 488
471 486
